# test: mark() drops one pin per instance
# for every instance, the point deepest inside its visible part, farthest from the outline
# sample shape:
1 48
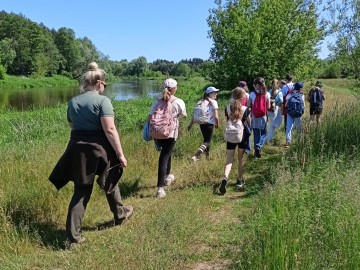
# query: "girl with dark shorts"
237 111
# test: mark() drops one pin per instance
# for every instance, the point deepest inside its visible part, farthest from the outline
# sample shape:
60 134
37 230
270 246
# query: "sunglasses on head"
103 83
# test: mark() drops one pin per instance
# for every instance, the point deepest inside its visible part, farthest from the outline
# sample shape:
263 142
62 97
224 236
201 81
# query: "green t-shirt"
84 111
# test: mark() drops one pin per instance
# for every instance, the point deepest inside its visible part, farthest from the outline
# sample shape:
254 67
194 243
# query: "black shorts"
315 110
242 145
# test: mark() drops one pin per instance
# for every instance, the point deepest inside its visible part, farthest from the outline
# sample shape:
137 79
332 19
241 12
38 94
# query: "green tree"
69 48
268 38
162 65
7 52
346 29
137 67
119 67
31 42
181 69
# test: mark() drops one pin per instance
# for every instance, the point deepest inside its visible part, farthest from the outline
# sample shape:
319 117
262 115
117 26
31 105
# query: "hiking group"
94 147
259 113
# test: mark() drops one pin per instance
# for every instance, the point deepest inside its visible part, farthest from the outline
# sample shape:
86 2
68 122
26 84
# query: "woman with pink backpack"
259 102
164 128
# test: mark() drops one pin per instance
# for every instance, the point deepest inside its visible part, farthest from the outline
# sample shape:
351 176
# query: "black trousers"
207 131
164 167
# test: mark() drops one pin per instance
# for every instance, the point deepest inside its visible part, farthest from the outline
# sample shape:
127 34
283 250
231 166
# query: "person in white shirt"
207 129
167 145
286 89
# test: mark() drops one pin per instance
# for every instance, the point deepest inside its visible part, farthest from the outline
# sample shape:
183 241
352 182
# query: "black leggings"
207 131
167 146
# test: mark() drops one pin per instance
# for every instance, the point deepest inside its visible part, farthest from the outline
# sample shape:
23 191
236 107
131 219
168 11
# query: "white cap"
170 83
211 89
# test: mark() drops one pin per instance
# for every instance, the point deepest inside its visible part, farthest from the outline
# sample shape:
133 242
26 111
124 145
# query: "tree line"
31 49
267 38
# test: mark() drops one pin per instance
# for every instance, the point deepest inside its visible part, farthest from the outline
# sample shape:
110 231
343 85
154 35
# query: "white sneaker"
195 158
169 179
160 193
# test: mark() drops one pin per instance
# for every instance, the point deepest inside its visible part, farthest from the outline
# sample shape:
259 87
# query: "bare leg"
229 161
312 118
241 163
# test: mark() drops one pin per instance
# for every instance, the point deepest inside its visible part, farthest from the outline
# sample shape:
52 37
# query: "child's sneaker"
222 188
194 158
257 152
160 193
169 179
240 183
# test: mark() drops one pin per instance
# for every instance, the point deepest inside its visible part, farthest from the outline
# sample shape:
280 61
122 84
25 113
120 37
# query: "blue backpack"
295 105
316 99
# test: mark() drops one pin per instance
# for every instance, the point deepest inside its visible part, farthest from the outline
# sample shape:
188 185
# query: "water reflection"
134 89
47 97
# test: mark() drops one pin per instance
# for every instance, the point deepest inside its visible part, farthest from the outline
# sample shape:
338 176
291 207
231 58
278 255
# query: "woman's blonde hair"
91 77
238 94
275 82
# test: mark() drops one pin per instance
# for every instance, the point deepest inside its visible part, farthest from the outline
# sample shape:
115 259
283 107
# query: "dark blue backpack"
316 99
295 105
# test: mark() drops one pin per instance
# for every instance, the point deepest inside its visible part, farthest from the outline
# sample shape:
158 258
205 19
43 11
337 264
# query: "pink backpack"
244 102
259 106
161 121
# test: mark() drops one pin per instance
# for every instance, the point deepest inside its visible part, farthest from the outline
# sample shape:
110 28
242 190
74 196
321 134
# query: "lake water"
23 99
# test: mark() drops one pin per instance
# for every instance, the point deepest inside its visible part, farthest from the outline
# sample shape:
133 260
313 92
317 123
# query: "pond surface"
23 99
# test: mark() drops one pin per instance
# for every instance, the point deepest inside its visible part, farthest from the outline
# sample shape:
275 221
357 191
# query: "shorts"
315 110
242 145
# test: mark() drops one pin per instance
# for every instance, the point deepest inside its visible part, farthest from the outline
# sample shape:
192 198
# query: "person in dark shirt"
94 149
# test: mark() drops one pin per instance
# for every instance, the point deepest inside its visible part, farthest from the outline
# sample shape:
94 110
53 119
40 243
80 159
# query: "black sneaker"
257 152
240 183
222 187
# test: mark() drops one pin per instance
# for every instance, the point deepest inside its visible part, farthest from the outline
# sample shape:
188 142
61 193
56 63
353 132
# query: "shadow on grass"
129 188
47 233
26 221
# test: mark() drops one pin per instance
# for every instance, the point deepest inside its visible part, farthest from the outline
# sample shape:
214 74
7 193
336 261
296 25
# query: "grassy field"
299 209
17 82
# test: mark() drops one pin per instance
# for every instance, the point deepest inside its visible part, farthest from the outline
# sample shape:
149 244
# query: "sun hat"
170 83
298 86
211 89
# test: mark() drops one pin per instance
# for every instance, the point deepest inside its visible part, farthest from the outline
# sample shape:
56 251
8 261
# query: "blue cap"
298 86
211 89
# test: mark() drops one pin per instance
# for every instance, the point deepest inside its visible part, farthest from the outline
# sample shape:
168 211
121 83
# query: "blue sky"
123 29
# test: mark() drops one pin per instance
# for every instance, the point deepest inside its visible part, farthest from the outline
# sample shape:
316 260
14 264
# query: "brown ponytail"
236 112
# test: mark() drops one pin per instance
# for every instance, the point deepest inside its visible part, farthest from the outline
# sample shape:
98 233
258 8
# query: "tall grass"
310 218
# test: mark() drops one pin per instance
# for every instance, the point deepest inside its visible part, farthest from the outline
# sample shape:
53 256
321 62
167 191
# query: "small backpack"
295 105
161 121
259 107
202 112
234 130
316 98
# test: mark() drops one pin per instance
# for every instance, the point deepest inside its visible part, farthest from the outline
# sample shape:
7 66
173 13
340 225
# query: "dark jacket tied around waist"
88 153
